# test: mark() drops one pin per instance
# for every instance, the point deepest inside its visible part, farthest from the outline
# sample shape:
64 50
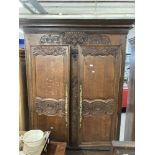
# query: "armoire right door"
99 79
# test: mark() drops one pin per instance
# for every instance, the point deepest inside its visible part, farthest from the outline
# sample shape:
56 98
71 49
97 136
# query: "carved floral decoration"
97 107
75 38
99 39
49 50
50 107
50 38
103 51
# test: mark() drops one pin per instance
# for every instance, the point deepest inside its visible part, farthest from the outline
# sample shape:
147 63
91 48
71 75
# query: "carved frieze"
48 50
50 107
97 107
102 51
51 38
99 39
75 38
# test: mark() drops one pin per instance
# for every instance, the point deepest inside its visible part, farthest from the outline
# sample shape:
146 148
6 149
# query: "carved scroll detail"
104 51
97 107
75 38
99 39
51 38
49 50
50 107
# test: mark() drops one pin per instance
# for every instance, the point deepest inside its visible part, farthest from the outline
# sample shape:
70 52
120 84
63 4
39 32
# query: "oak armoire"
75 78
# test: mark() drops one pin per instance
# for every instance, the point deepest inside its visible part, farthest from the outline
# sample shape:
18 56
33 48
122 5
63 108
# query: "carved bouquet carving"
97 107
50 107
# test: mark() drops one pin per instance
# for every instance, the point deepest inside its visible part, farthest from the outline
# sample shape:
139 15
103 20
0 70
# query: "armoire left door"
48 83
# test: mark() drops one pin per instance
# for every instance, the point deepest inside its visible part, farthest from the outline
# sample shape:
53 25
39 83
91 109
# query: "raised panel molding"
49 50
103 51
97 107
50 107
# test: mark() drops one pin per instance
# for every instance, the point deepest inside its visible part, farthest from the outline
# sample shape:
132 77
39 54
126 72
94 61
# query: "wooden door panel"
96 68
97 128
50 80
100 68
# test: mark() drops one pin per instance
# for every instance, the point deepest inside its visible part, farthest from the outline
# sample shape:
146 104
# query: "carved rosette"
48 50
51 38
97 107
50 107
99 39
104 51
75 38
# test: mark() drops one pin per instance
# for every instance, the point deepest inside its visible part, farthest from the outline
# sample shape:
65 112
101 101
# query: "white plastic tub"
33 138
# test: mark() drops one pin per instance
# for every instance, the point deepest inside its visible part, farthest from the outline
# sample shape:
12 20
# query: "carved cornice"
39 21
48 50
50 107
97 107
102 51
